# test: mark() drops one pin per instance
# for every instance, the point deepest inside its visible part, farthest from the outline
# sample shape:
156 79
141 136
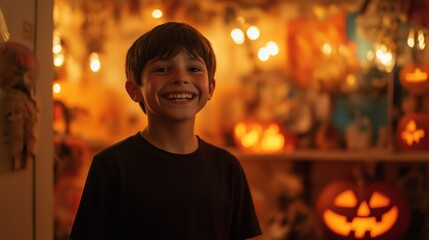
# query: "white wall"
26 197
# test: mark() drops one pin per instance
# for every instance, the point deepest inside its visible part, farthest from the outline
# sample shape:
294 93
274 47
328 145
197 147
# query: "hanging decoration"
378 18
19 111
93 29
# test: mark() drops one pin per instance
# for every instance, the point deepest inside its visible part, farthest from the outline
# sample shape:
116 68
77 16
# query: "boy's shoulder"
121 146
216 151
210 147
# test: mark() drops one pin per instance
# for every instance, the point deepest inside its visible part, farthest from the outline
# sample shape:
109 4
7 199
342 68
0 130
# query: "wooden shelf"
316 155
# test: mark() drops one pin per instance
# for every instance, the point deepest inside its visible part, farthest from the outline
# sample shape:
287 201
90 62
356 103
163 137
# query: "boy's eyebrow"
195 58
166 58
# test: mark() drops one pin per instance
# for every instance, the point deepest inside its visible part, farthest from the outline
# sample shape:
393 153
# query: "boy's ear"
133 91
212 86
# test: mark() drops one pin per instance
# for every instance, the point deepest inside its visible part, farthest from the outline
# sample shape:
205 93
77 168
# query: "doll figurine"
19 112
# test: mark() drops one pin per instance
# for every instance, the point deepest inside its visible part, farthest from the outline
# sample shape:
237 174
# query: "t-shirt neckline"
165 153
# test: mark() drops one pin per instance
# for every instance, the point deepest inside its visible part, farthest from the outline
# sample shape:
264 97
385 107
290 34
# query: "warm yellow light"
56 88
383 54
273 48
253 32
58 60
272 140
237 36
351 80
56 44
385 57
327 49
263 54
417 76
157 13
421 40
56 48
410 39
250 139
422 45
259 138
94 62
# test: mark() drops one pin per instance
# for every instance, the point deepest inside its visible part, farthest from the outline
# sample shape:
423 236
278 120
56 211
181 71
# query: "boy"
164 182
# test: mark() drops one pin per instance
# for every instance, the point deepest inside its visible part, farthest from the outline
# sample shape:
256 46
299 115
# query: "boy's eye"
161 69
195 69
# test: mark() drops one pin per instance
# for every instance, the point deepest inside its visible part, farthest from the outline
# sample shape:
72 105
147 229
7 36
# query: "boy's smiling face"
175 88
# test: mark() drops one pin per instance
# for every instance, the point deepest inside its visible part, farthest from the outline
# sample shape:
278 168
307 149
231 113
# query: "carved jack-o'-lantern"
371 211
412 132
415 78
262 137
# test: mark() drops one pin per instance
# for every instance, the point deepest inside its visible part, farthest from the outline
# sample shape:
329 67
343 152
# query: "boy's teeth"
179 96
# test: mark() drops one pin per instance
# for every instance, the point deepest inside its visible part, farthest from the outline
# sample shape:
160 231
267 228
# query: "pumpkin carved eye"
346 199
379 200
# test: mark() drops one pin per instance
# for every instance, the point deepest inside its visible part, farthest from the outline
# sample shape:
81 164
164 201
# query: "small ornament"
19 111
358 134
412 133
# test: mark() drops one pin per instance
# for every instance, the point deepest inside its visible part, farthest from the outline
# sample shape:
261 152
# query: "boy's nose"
181 77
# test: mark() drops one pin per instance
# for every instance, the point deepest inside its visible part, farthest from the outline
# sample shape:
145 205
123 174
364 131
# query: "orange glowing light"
56 88
411 134
414 78
259 138
363 221
370 210
417 76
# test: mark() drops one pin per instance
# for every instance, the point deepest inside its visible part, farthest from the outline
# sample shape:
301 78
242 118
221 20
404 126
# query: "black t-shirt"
135 190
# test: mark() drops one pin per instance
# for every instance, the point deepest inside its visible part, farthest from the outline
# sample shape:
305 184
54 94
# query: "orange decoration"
415 78
262 137
412 132
372 211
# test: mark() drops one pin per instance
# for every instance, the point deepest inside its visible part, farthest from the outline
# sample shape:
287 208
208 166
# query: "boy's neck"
179 138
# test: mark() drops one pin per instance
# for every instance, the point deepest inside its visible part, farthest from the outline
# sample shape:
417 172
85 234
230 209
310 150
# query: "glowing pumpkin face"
373 210
415 78
412 133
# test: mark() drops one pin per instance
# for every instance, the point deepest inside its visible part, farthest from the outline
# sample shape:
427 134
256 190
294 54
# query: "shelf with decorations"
364 96
338 155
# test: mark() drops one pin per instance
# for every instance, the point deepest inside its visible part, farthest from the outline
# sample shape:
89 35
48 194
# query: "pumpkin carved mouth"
361 225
